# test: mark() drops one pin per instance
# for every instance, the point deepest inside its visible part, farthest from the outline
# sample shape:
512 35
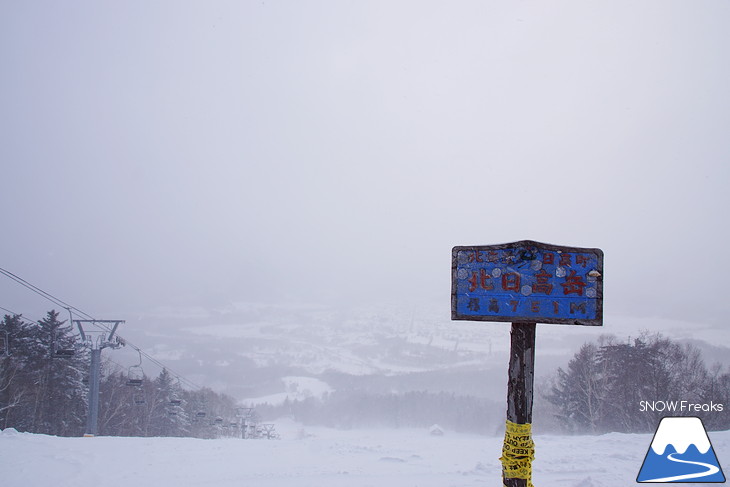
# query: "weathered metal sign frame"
527 282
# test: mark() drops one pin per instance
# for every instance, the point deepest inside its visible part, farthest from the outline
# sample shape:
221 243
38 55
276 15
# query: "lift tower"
96 336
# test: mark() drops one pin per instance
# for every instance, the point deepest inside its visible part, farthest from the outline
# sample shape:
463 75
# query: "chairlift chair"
173 403
139 399
65 352
135 374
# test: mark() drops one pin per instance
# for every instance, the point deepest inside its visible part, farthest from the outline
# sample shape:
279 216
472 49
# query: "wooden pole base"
521 379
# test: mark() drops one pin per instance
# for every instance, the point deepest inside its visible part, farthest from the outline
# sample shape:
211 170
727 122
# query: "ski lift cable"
143 353
29 322
23 319
40 291
69 307
179 377
159 364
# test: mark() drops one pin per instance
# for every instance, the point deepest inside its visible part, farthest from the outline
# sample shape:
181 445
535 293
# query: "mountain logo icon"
681 452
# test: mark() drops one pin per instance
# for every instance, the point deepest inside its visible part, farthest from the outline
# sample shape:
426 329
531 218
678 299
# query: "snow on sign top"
529 282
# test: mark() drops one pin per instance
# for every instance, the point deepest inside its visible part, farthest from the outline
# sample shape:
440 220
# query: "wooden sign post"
525 283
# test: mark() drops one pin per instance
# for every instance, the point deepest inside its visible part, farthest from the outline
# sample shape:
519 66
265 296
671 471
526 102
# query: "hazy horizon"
187 157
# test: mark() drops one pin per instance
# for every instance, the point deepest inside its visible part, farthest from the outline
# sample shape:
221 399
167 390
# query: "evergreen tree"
59 395
16 383
171 419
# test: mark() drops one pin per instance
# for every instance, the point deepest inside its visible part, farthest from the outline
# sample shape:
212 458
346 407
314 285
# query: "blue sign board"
529 282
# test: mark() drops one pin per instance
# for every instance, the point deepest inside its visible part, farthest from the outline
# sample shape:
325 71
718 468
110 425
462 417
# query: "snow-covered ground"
319 457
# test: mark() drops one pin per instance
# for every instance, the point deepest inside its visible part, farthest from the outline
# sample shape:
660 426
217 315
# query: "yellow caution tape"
518 452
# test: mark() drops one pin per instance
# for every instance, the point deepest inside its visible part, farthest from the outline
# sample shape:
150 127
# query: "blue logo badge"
681 452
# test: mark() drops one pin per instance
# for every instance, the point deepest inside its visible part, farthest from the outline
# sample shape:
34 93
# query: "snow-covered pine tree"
59 395
170 419
16 381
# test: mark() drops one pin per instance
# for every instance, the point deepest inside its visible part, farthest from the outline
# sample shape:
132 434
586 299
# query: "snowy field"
319 457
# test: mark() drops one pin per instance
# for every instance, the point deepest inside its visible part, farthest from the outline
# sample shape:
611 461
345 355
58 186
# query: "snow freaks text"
679 406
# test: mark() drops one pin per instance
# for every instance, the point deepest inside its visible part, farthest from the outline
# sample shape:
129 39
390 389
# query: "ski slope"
319 457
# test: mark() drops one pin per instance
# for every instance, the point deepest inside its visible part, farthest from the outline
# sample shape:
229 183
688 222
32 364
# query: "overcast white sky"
173 153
